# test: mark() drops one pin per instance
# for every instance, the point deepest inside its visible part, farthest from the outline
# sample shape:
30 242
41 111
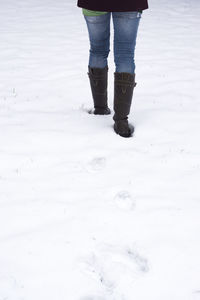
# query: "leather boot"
124 84
98 82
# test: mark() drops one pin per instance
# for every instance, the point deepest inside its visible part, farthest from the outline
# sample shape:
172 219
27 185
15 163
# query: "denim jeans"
125 25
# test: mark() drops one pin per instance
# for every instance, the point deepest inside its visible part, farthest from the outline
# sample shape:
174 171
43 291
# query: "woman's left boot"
98 82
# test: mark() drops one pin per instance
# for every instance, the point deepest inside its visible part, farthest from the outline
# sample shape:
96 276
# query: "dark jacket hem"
117 8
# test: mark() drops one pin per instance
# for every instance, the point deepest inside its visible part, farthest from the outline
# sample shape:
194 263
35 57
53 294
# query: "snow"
84 213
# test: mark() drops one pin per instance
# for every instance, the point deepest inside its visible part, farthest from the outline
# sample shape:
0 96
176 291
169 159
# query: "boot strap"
96 77
122 83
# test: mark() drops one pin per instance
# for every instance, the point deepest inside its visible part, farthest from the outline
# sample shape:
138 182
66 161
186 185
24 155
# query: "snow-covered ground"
84 213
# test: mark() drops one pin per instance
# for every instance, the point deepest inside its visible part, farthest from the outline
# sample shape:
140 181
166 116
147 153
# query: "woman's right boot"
98 82
124 84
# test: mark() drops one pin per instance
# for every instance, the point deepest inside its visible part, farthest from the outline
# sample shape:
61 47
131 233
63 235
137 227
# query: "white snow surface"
84 213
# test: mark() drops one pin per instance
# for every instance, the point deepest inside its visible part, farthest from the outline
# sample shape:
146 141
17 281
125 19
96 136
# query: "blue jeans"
125 26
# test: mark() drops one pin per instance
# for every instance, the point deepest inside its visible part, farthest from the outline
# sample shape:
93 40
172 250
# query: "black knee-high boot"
98 82
124 84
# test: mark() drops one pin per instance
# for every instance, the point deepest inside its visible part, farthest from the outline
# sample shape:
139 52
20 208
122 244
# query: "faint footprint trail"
116 268
9 287
96 164
141 261
124 200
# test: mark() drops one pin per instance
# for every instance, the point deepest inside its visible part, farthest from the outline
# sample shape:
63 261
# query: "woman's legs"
99 36
125 34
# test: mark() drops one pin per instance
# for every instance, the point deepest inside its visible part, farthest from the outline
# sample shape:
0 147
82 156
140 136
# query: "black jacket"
113 5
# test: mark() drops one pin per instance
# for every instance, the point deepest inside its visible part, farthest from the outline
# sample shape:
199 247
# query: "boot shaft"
98 82
124 84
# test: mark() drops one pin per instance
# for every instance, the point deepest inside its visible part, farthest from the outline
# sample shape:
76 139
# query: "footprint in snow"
115 268
141 261
9 287
125 200
96 164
